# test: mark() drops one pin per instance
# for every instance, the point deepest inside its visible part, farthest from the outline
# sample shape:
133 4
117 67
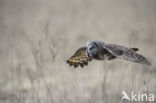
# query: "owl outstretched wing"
79 58
128 54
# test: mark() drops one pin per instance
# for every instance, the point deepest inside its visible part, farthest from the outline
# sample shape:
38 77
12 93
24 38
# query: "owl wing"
79 58
128 54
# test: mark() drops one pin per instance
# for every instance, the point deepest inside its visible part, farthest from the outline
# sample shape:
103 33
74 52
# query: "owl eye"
92 48
93 51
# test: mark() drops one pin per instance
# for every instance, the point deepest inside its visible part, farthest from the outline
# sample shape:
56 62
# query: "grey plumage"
99 50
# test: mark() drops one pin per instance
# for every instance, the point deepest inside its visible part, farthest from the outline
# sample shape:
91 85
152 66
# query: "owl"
98 50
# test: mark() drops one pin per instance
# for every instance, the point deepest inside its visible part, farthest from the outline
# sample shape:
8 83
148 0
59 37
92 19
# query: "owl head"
92 49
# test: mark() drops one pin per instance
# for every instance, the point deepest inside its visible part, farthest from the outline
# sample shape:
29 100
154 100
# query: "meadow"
36 36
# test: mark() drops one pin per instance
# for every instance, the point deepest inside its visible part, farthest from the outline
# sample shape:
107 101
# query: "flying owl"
98 50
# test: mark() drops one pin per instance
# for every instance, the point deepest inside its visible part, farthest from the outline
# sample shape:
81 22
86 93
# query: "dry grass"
37 36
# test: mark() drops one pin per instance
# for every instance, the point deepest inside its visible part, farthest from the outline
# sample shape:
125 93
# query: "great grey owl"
98 50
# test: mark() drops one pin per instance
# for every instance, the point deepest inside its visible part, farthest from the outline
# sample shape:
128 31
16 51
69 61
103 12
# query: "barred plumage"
98 50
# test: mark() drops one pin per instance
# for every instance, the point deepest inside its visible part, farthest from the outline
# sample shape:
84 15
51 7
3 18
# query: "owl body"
98 50
102 53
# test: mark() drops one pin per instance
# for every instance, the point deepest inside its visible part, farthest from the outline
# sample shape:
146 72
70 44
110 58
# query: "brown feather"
79 58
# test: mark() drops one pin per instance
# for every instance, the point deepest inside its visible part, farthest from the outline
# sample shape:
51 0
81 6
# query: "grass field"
36 36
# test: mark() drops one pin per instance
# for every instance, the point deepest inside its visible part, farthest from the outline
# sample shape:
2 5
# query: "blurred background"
36 36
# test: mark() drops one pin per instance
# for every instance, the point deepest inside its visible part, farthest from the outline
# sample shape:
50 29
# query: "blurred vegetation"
36 36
